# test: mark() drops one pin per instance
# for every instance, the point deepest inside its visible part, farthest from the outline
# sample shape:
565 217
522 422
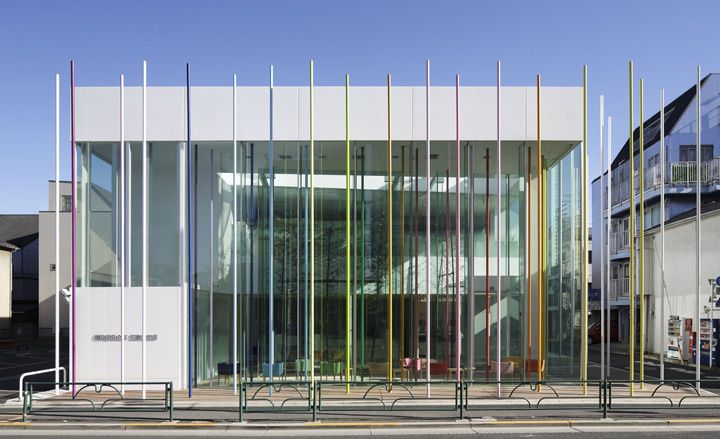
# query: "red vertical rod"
487 263
73 199
447 266
457 228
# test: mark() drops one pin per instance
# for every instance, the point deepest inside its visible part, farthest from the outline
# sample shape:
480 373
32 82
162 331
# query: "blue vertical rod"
188 157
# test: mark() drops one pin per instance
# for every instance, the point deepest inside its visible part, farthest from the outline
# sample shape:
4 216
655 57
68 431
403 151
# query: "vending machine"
707 340
674 338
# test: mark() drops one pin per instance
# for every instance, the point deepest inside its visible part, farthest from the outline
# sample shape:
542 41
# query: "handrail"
38 372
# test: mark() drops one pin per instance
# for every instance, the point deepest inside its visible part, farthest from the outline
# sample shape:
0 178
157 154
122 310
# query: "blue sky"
366 39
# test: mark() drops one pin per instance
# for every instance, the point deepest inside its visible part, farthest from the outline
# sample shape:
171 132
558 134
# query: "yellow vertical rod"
641 247
541 236
347 234
583 227
631 232
402 256
389 236
312 235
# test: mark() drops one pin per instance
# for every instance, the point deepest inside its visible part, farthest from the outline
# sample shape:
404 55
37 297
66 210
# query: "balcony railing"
619 242
619 288
679 174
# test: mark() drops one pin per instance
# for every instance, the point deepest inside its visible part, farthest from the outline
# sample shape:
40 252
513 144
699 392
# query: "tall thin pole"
583 232
607 240
57 233
234 238
122 232
402 257
540 239
73 259
312 235
457 228
389 234
697 226
362 258
191 287
641 292
603 264
347 234
427 227
498 231
663 320
446 334
212 265
144 228
471 262
271 239
487 264
631 230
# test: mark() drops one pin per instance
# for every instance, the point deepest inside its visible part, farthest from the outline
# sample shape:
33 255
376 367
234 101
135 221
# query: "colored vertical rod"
631 230
73 262
603 263
540 238
427 227
312 235
457 228
528 271
698 195
271 239
144 229
583 226
389 234
234 236
446 334
189 232
402 257
347 234
251 214
362 258
354 262
305 264
662 227
57 229
641 246
212 265
416 321
471 262
196 259
498 231
487 264
607 242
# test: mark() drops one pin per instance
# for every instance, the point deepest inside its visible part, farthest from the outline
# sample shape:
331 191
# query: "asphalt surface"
29 355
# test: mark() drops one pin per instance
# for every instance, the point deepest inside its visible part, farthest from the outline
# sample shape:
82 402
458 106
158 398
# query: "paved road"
37 354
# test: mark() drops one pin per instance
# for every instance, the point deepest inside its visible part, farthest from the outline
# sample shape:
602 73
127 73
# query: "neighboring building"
47 262
6 270
22 232
680 142
190 222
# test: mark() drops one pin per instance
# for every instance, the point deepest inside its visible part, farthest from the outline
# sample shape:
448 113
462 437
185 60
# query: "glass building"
328 232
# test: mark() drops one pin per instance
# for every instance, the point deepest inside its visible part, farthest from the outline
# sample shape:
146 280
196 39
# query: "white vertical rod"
212 265
663 320
697 227
498 226
603 264
122 233
234 234
57 233
607 238
144 224
271 221
427 226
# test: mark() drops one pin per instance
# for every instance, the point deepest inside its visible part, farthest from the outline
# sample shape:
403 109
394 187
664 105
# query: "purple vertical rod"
457 228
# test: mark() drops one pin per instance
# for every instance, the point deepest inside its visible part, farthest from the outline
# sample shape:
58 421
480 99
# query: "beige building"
6 274
48 264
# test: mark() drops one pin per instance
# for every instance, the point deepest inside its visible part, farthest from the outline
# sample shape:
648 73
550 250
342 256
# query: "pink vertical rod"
73 161
457 228
498 225
427 226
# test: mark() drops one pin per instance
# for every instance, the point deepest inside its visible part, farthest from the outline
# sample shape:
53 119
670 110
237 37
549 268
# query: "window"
687 153
66 203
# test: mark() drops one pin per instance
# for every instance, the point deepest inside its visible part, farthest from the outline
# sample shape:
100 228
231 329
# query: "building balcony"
619 289
619 242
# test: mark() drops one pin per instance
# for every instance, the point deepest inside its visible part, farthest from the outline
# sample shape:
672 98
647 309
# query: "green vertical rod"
362 258
347 233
